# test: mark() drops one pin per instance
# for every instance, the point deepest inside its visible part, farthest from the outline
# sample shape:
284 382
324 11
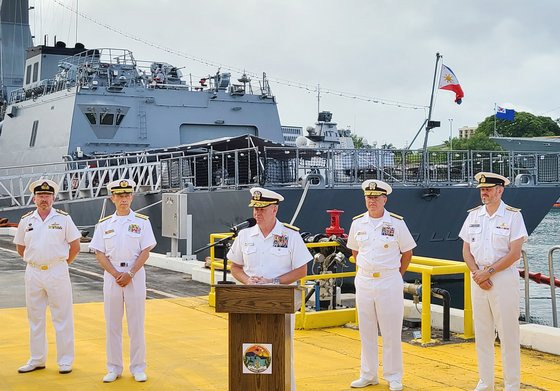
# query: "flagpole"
495 111
425 148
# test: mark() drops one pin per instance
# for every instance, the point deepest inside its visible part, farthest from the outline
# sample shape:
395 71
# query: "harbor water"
545 236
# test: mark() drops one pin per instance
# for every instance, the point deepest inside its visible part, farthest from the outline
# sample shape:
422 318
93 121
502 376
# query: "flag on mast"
448 81
506 114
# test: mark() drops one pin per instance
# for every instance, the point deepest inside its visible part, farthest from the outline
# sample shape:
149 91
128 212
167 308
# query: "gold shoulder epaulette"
62 212
141 216
290 226
358 216
475 208
511 208
105 218
396 216
27 214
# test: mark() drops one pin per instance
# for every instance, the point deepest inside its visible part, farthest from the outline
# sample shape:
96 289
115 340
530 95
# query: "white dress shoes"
395 385
481 386
140 376
361 382
110 377
64 369
30 368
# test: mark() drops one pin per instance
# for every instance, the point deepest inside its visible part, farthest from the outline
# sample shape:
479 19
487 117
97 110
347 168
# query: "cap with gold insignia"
373 187
489 179
261 197
44 186
121 186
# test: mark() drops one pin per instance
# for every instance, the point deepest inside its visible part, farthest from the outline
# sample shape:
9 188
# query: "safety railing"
212 170
553 284
338 167
429 267
527 286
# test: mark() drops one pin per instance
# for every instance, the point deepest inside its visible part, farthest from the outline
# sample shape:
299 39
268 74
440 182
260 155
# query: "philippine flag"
448 81
507 114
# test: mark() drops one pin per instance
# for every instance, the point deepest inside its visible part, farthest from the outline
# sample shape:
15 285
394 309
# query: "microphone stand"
227 245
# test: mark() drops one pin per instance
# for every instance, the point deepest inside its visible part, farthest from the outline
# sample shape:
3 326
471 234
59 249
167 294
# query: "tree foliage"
358 141
524 125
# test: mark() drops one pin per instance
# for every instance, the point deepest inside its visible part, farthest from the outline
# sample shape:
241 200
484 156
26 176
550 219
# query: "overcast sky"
504 52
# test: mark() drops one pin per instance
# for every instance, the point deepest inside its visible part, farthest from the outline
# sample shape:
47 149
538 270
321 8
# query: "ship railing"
212 170
78 181
338 167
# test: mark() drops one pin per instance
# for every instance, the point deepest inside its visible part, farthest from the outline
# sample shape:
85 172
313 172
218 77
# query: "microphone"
245 224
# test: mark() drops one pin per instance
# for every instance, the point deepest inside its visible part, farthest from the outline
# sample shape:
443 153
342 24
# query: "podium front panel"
265 330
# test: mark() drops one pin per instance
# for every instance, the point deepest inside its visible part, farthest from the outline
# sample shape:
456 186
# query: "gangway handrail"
552 284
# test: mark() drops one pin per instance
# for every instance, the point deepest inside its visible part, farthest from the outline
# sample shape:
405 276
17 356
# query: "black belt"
123 264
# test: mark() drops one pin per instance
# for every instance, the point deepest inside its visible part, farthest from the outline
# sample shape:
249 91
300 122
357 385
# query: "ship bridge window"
120 117
28 74
33 133
35 72
91 118
106 119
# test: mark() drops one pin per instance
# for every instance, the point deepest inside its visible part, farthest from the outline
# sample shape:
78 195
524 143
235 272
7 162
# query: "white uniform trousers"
50 287
116 298
380 301
498 309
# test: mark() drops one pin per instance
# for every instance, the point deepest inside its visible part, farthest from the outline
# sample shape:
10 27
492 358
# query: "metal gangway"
81 179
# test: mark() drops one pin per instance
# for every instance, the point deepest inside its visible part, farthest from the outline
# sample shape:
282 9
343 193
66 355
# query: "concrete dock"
187 343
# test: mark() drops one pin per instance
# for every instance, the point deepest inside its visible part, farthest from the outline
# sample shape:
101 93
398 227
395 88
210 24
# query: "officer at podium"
270 252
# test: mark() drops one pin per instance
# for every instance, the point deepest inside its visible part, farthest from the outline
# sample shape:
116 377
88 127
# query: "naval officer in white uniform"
270 252
382 246
48 241
493 235
122 244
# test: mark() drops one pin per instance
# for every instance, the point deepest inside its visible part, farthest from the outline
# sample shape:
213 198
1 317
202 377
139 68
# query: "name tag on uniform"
55 226
109 231
134 228
29 228
503 226
280 241
475 225
388 230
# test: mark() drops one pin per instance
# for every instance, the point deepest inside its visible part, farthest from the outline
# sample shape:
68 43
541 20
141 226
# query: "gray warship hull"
434 222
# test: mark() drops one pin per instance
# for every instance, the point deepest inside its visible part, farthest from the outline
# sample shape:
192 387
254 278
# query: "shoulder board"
27 214
141 216
511 208
290 226
105 218
358 216
396 216
62 212
475 208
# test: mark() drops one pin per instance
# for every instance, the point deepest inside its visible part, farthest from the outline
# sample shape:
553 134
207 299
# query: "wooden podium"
259 320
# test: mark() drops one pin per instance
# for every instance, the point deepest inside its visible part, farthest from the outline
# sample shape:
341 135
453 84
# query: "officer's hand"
124 279
480 276
486 285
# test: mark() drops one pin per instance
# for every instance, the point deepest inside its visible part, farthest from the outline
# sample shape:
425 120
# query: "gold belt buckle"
44 267
376 275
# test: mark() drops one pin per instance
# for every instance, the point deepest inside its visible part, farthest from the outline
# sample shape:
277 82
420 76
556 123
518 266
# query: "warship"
86 116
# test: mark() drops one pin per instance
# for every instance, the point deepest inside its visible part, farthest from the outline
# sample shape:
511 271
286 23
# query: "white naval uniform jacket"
282 251
122 238
380 244
489 237
46 241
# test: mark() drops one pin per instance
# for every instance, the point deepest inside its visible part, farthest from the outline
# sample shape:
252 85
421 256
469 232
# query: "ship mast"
429 124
